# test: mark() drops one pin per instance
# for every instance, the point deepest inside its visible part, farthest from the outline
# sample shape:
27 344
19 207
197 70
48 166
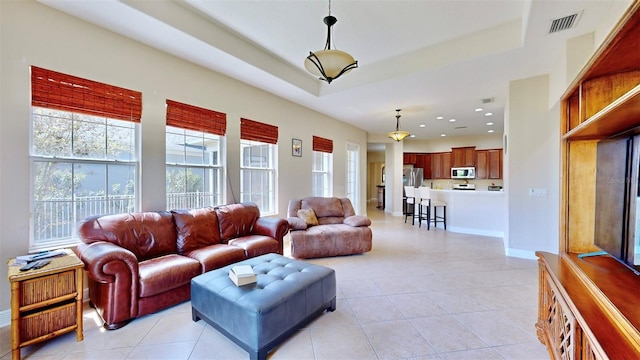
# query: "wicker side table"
45 302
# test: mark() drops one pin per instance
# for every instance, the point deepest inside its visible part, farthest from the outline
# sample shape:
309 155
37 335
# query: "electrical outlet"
538 192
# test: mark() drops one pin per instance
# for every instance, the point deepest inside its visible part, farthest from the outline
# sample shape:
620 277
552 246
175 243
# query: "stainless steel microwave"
463 173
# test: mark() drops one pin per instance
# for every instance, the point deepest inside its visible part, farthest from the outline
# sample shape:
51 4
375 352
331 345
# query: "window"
83 154
353 186
194 171
321 167
258 151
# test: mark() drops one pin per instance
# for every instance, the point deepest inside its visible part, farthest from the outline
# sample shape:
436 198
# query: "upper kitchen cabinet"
440 165
423 161
463 156
409 158
489 164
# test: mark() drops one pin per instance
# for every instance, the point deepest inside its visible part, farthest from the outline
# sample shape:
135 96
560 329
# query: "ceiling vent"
564 23
488 100
459 127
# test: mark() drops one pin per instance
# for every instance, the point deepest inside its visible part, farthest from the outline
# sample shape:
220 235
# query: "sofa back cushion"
328 209
196 228
145 234
236 220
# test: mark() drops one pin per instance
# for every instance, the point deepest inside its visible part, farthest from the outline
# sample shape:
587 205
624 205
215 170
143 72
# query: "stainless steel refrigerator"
412 177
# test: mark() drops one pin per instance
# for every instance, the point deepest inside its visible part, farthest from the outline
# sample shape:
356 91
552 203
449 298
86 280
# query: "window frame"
271 173
215 199
37 244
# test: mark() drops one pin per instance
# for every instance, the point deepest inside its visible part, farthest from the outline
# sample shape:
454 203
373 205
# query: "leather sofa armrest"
99 257
357 220
295 223
274 227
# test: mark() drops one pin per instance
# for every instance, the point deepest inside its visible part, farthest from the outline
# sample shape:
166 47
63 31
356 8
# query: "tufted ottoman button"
258 317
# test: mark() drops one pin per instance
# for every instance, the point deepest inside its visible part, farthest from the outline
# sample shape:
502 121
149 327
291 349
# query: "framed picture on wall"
296 147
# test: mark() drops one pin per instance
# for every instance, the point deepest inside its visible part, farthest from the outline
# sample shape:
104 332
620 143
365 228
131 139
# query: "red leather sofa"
140 263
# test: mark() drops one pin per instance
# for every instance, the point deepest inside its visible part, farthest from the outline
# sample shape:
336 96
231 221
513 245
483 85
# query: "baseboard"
524 254
471 231
5 318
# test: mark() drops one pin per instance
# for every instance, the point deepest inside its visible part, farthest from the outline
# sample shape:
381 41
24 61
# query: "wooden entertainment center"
589 307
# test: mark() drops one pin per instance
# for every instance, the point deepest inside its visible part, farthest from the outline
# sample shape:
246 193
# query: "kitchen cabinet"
409 158
489 164
463 156
423 161
588 307
441 165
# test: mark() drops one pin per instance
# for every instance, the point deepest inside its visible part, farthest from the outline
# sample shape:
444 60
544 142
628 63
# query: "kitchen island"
477 212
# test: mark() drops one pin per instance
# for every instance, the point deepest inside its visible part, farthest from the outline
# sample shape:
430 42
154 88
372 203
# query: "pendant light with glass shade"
398 135
329 64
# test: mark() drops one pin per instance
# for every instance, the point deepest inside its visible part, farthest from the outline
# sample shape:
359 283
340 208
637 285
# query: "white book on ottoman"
242 275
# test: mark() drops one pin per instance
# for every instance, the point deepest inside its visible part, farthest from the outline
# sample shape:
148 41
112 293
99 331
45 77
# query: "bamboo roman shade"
257 131
322 144
54 90
196 118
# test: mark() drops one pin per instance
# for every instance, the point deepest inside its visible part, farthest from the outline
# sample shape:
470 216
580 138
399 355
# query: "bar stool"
426 201
410 203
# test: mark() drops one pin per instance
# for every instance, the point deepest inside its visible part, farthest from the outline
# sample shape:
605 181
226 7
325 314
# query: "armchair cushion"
309 216
295 223
357 220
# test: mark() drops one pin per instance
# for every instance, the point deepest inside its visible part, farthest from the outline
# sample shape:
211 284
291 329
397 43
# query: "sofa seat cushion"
166 273
216 256
256 245
330 240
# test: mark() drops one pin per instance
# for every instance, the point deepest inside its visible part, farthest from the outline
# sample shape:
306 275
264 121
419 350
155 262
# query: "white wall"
531 162
33 34
443 144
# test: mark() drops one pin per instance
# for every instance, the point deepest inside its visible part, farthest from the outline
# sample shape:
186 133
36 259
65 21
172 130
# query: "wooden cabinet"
463 156
423 161
45 302
441 165
489 164
589 307
409 158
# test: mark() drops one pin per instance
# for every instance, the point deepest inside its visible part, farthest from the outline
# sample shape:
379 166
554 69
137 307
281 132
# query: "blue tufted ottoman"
258 317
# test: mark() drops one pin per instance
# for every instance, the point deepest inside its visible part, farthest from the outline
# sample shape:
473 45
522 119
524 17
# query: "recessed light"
452 120
440 118
490 131
488 114
443 135
489 123
412 135
478 109
422 125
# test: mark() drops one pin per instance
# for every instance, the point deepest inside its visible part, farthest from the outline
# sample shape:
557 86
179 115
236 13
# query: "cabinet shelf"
617 117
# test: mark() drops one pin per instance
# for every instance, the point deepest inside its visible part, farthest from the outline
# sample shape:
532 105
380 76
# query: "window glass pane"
51 133
89 137
121 144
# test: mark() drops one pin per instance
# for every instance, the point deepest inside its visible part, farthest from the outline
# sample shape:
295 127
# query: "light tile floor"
419 294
